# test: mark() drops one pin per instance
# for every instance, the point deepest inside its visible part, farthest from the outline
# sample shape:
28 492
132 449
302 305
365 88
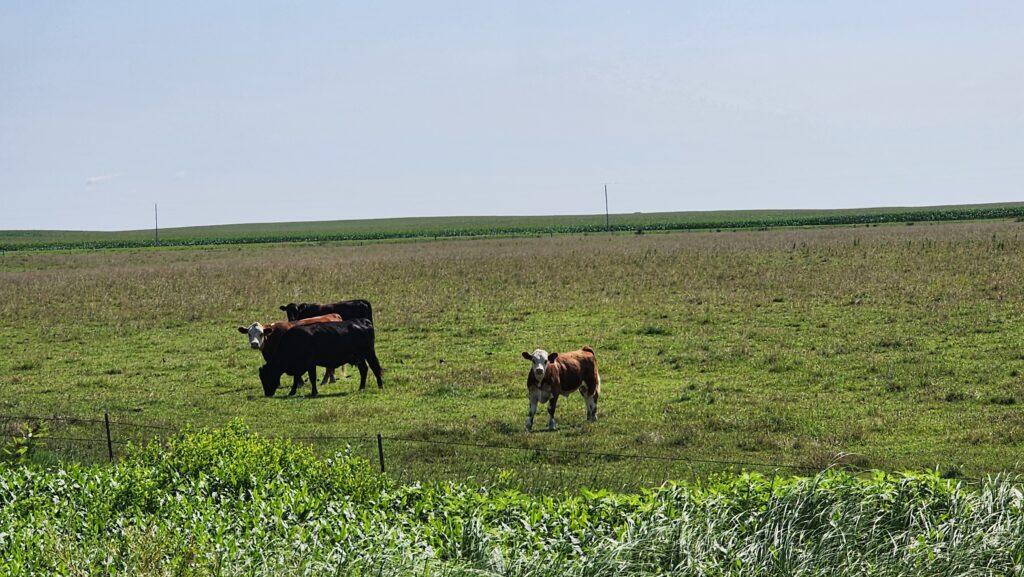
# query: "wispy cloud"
92 181
180 175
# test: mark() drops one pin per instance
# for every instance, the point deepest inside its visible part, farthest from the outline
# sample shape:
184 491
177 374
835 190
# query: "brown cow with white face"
557 374
264 338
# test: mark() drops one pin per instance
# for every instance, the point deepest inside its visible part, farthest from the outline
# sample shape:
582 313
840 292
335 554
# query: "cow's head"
257 334
290 309
270 380
539 362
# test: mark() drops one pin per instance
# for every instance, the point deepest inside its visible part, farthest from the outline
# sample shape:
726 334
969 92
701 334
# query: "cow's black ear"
283 307
552 357
527 356
243 330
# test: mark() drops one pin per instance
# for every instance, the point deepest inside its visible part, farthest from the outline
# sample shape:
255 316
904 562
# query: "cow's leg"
375 366
533 411
329 374
551 412
591 391
361 365
312 380
591 407
296 383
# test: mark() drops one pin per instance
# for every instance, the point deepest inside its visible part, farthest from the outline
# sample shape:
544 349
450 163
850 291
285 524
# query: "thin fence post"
380 451
110 444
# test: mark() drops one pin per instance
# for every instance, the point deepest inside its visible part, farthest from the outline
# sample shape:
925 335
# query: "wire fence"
56 438
407 459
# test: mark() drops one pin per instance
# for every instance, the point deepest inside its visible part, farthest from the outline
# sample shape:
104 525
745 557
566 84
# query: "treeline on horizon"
624 223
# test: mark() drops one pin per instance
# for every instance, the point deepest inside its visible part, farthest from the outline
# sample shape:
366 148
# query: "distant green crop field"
895 347
449 227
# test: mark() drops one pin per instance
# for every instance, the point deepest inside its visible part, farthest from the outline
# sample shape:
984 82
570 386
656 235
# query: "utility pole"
156 225
606 226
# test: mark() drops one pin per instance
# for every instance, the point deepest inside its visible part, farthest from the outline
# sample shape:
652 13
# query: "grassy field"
895 347
477 226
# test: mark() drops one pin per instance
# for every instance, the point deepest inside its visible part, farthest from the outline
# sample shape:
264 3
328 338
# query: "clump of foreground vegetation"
229 502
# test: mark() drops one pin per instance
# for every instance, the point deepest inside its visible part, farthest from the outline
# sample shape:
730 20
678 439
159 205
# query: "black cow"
331 345
349 310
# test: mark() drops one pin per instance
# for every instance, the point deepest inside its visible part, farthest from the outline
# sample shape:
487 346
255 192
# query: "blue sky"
262 111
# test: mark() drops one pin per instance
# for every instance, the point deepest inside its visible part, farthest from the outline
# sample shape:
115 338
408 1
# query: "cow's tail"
589 350
369 311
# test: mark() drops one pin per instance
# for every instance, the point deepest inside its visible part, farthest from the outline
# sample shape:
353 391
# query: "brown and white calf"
557 374
264 338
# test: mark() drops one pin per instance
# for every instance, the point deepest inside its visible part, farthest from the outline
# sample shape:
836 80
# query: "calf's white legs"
551 413
533 411
591 406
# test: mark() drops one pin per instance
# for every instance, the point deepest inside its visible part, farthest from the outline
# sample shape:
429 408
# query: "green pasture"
895 347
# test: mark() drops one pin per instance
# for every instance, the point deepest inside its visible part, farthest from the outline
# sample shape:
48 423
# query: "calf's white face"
255 334
539 362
